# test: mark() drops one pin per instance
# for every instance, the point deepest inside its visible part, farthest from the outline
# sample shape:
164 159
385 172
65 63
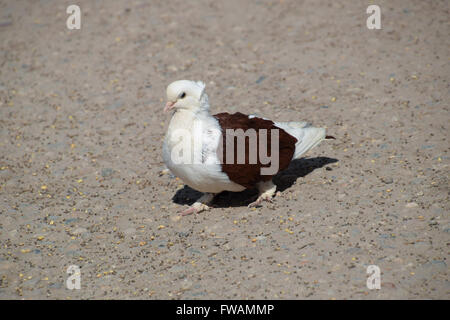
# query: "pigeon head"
187 95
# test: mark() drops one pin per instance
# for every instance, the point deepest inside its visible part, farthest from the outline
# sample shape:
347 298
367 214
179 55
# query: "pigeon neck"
183 116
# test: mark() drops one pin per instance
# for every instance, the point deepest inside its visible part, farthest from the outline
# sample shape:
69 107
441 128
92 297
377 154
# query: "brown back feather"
248 174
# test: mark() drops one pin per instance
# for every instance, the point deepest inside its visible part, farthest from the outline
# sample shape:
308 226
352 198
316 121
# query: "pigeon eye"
182 95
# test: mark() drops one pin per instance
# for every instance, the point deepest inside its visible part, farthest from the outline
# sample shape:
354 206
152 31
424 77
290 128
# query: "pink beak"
169 106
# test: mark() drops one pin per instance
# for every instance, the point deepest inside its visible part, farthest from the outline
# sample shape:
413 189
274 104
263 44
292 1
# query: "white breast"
201 134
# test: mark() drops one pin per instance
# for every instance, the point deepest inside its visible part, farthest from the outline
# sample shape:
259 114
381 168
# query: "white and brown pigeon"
195 133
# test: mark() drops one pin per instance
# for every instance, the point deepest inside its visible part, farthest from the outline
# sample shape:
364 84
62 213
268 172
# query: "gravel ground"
81 129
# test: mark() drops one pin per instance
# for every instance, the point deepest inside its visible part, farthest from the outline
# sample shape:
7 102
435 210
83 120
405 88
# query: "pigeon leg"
266 191
200 205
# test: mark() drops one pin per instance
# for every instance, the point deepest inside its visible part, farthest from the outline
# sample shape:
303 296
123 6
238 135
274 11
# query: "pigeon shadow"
283 180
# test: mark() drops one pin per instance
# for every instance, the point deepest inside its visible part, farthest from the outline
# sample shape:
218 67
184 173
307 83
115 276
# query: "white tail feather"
308 137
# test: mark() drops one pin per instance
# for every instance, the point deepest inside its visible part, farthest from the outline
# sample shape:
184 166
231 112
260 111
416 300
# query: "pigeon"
228 152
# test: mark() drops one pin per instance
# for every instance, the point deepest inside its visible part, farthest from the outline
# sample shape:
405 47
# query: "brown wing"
248 174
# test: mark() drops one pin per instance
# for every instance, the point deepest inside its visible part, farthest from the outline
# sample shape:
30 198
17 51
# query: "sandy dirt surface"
81 129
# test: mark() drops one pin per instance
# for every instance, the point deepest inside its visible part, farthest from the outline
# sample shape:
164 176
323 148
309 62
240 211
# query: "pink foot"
188 211
258 201
195 208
